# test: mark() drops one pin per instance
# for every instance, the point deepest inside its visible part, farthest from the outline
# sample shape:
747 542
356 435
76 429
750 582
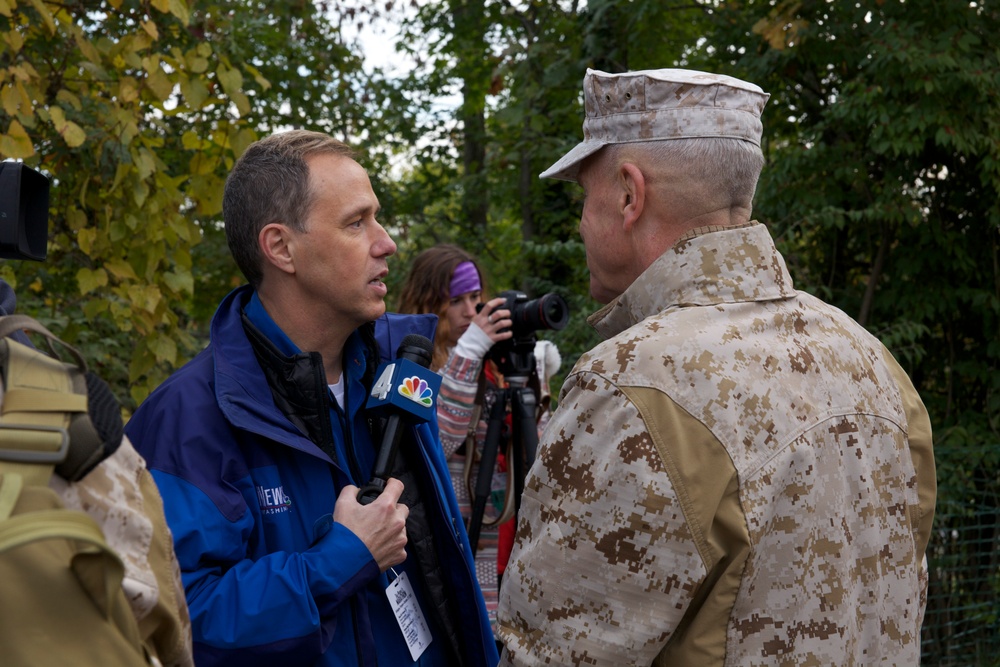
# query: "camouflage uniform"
739 475
121 496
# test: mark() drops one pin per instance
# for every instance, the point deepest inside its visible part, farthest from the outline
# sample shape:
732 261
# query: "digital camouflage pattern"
121 496
739 475
659 105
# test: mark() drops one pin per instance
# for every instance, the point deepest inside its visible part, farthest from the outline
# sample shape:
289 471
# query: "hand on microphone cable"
381 524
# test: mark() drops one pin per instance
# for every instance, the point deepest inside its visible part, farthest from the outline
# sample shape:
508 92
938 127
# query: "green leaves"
882 180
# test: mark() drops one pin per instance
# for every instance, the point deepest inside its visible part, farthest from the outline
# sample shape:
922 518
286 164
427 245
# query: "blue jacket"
270 579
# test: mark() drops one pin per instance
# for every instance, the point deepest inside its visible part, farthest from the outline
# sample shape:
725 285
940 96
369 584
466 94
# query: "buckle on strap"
39 444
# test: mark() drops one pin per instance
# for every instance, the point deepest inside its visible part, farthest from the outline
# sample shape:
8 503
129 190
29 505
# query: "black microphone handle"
385 458
417 349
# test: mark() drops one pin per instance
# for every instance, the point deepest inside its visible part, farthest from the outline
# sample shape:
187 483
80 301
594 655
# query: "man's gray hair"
269 184
730 167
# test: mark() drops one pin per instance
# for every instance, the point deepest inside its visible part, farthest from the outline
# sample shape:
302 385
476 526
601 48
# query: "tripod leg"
526 438
487 463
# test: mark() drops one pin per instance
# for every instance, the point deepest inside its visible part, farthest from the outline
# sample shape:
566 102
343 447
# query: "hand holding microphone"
381 525
404 392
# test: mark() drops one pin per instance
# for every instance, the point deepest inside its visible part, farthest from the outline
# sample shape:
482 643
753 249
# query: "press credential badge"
408 615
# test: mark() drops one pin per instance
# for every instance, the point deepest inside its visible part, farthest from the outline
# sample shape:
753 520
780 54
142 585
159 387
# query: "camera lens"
549 311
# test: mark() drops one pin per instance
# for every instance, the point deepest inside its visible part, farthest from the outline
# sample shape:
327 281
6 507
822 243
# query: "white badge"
408 615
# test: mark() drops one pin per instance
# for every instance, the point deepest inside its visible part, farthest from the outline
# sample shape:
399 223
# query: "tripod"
517 364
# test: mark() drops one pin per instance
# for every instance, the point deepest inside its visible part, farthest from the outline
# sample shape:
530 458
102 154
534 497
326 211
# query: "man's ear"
633 195
274 246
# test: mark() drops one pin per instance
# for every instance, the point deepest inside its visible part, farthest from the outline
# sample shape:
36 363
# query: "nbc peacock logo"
417 390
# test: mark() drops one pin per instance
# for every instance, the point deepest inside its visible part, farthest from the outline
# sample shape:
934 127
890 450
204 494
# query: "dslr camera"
24 212
549 311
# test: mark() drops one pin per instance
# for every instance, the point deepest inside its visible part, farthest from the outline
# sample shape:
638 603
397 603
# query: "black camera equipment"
24 212
515 358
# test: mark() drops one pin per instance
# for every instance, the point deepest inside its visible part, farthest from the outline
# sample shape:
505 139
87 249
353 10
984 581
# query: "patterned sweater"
456 409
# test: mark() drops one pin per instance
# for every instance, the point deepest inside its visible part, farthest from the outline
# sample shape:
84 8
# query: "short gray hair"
727 166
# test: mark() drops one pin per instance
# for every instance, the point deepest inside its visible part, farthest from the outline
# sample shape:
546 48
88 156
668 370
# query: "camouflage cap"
654 105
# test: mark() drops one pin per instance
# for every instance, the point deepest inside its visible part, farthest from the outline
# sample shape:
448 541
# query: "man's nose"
384 245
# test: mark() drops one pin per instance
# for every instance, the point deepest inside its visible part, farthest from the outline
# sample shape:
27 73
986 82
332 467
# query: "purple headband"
464 279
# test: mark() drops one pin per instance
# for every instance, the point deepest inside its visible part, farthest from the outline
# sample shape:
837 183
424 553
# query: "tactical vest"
61 597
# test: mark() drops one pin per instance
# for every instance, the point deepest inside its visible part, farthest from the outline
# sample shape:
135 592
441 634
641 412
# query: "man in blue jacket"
259 444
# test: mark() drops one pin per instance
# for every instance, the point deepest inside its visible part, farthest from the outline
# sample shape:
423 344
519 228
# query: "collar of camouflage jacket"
709 266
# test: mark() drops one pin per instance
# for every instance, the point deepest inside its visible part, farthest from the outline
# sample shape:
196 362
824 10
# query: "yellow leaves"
230 78
159 84
781 28
257 76
202 164
128 90
12 98
76 219
89 280
140 191
191 140
13 38
71 133
17 92
207 191
195 91
145 297
133 192
144 162
86 48
197 65
196 59
69 98
46 15
150 29
121 269
232 82
241 101
85 239
178 8
127 125
241 139
16 143
179 281
163 348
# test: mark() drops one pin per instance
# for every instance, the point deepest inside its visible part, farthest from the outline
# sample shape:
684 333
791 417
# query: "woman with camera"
445 280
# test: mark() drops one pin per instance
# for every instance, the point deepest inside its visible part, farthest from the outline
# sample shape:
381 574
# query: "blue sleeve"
247 611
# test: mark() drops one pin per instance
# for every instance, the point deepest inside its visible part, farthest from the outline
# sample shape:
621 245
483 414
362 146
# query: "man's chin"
601 295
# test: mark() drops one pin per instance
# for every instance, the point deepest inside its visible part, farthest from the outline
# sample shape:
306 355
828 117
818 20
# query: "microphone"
405 394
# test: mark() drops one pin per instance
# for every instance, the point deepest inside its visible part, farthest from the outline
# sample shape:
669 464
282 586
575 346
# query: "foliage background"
882 136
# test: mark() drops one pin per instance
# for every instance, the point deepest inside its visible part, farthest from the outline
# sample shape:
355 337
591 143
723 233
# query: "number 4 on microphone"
384 383
404 385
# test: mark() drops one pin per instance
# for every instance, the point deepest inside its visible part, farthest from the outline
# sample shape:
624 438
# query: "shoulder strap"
11 323
40 397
